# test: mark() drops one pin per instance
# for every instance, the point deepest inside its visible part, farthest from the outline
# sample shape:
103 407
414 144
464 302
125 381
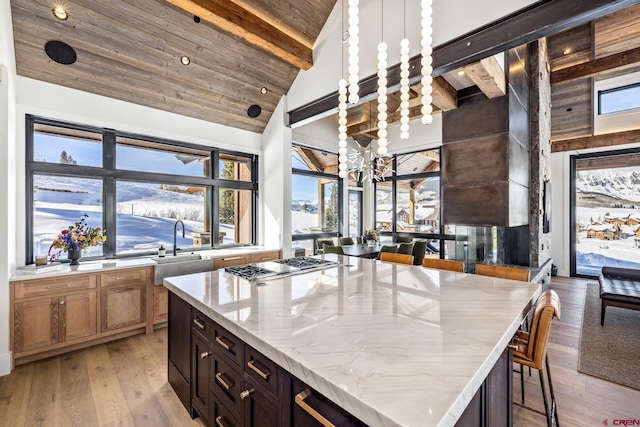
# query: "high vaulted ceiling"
131 50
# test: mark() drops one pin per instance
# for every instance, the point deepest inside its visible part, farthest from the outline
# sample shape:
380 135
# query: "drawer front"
226 384
230 261
221 416
128 277
266 256
68 283
261 369
202 324
228 345
312 409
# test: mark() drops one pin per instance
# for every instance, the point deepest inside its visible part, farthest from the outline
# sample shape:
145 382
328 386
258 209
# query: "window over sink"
136 188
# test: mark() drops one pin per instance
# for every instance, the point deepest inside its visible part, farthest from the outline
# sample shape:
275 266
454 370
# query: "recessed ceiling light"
60 12
461 73
185 60
567 51
263 90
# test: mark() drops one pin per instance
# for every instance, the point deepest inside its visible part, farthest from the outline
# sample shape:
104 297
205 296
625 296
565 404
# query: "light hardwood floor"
124 383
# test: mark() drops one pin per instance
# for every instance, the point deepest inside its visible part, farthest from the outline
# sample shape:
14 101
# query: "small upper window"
235 167
54 144
312 159
619 99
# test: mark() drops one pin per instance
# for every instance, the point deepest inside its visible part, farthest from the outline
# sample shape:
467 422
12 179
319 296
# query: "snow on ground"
592 254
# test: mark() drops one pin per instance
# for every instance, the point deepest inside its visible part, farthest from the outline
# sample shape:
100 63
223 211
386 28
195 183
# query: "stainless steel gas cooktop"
282 267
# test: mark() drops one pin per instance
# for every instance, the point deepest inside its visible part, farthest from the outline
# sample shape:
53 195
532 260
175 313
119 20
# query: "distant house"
615 220
603 231
633 220
627 231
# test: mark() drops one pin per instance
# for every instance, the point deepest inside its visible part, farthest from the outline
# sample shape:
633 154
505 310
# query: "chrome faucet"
175 232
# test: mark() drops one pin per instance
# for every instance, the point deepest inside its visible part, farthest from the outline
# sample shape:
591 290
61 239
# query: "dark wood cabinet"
179 347
260 407
201 356
310 408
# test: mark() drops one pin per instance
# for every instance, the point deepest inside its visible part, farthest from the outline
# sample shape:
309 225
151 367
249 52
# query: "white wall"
561 207
7 177
275 181
451 19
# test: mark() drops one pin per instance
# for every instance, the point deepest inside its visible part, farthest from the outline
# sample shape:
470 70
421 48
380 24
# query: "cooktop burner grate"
304 262
249 271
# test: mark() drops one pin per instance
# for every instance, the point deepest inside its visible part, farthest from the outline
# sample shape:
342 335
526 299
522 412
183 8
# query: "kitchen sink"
178 265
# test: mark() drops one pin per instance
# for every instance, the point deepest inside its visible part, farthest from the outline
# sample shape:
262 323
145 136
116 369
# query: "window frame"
394 178
613 90
109 175
316 236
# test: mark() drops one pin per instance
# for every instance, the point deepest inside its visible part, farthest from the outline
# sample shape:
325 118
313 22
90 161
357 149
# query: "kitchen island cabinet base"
272 396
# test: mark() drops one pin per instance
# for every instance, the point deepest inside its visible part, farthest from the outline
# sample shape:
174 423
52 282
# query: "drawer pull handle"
223 344
219 421
204 354
222 382
265 376
232 258
300 397
61 302
61 285
198 323
246 394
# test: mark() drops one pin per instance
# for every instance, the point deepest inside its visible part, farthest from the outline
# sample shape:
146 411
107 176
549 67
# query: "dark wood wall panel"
571 110
618 32
476 117
570 47
482 204
483 159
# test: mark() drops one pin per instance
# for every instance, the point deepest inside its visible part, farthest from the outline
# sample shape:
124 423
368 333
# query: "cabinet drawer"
42 287
228 345
266 256
261 369
226 384
202 324
120 277
230 261
312 409
221 416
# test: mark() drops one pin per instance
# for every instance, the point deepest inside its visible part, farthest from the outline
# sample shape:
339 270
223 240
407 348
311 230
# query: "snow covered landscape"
145 218
607 199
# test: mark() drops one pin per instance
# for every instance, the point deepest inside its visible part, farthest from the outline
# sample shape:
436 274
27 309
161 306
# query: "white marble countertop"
31 272
392 344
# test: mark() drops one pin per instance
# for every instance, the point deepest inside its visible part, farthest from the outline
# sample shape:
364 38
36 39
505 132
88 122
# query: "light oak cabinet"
160 304
123 306
49 313
265 256
232 260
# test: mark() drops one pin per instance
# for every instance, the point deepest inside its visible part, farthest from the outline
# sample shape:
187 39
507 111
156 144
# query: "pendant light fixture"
404 79
354 51
342 114
382 92
427 60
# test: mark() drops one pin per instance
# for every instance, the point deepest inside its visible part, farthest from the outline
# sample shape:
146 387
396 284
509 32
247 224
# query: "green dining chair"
321 242
330 249
405 248
391 249
419 249
402 239
345 241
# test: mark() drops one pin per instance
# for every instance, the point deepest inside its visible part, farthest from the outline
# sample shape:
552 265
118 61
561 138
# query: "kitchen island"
390 344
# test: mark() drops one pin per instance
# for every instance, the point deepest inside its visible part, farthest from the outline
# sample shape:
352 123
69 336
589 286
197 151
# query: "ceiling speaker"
60 52
254 111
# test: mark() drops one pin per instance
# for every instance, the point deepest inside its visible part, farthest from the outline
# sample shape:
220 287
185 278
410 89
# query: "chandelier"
348 91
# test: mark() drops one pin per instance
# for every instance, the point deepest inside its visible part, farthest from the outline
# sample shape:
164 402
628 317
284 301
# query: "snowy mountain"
622 183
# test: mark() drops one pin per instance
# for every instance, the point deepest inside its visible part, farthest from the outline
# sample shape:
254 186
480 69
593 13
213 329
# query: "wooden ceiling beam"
233 19
488 75
309 158
588 69
596 141
609 162
366 127
445 96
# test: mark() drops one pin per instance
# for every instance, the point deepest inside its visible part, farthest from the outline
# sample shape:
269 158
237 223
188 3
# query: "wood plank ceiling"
131 50
605 48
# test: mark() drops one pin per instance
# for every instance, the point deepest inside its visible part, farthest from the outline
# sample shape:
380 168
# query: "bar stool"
530 349
444 264
397 258
503 272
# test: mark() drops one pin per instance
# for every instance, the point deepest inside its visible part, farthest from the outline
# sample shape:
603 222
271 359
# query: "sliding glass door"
605 211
